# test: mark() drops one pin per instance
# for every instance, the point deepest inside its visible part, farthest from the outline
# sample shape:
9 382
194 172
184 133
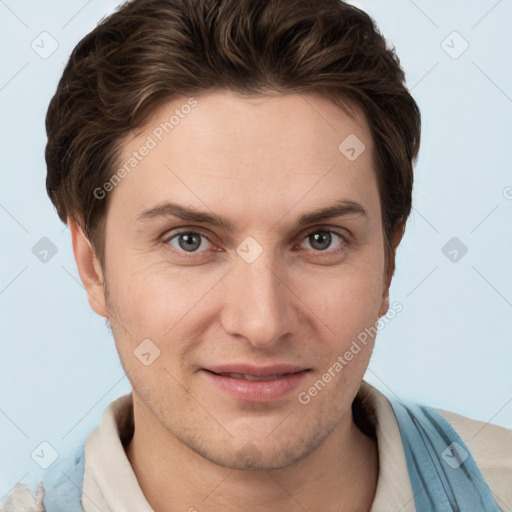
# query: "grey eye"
188 241
321 239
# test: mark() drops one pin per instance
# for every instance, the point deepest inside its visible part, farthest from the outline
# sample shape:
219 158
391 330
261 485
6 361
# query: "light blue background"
450 346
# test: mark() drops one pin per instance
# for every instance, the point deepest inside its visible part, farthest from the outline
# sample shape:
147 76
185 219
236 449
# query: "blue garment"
63 484
443 474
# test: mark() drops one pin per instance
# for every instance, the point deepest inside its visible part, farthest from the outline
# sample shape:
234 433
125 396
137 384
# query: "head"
256 114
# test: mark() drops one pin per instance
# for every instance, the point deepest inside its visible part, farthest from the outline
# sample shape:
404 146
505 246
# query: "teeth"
250 377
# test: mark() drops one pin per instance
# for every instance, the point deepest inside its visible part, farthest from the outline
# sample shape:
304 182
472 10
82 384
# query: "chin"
250 458
259 454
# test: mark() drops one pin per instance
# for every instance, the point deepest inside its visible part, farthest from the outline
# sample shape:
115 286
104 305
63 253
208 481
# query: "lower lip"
257 390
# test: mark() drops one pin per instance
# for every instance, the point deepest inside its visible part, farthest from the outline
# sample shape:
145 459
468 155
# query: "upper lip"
257 371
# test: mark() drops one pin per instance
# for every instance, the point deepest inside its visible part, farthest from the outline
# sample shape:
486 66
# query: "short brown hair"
151 51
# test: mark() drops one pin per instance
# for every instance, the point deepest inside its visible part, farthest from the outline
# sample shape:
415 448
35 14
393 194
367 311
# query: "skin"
262 162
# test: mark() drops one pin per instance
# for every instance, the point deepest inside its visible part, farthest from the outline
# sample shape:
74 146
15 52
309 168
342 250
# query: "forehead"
257 154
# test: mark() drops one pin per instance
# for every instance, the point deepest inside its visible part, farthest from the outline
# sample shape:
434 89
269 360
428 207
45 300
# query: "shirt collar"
110 484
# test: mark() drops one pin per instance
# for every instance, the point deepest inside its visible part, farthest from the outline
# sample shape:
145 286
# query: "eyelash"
321 229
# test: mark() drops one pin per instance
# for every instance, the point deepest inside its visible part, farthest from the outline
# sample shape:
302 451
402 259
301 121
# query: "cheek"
167 305
349 299
158 300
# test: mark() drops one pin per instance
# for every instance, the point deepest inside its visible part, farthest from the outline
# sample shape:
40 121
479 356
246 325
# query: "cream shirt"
110 484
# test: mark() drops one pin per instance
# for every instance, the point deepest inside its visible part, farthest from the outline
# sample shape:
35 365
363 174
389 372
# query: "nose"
258 303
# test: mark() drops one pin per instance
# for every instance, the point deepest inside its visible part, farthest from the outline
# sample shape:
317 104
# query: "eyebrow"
340 208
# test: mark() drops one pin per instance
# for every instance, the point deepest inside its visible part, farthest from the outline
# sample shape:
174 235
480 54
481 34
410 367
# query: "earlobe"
89 269
389 271
384 306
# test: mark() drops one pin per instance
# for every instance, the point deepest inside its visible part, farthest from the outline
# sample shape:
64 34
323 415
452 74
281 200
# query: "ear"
390 268
89 269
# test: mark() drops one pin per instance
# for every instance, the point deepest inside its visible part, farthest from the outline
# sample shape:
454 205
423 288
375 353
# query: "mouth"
250 383
253 377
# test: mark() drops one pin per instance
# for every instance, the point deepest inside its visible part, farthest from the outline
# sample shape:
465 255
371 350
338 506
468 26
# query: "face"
217 254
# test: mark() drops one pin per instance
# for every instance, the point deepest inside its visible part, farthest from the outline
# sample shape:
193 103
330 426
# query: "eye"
188 241
321 239
193 242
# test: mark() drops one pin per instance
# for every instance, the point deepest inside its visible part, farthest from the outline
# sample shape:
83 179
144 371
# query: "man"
236 177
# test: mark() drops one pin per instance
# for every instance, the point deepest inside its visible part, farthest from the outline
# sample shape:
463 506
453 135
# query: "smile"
257 385
252 377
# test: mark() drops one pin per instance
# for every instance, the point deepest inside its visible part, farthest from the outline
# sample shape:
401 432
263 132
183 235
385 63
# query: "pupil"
192 241
318 237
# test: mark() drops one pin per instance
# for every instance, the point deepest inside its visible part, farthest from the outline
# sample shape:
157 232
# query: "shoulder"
491 448
59 491
23 500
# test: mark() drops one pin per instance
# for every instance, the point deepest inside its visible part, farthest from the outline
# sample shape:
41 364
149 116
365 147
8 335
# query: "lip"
256 371
287 378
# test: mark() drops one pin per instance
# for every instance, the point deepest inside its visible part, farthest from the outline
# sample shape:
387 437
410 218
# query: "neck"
341 474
